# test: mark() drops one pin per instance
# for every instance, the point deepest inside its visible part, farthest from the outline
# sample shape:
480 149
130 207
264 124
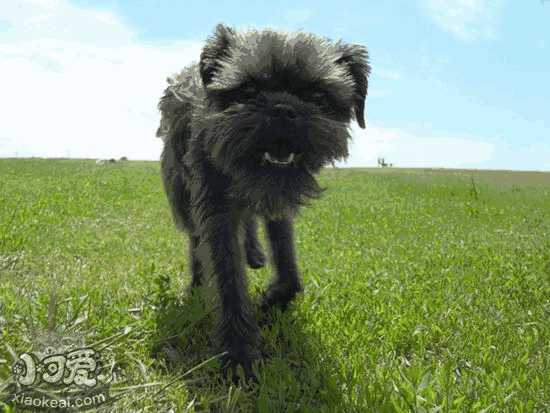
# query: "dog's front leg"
238 331
286 284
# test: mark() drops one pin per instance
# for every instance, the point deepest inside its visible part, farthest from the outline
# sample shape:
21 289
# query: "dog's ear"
215 49
356 59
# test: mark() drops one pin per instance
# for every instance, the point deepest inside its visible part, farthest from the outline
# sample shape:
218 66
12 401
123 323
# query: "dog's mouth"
278 160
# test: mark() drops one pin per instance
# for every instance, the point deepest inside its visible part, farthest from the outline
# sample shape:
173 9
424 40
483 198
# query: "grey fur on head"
245 131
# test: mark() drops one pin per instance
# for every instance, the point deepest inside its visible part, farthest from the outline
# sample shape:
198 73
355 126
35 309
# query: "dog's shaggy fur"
244 132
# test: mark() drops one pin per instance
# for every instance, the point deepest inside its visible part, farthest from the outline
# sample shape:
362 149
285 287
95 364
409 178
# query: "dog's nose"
284 110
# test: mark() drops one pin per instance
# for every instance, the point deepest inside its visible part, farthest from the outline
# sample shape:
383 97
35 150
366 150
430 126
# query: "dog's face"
278 109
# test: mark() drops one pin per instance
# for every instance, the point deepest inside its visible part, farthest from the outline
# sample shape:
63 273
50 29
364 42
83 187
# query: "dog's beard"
241 140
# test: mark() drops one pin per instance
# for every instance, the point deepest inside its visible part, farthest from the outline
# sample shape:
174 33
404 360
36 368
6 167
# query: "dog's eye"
245 94
319 97
249 91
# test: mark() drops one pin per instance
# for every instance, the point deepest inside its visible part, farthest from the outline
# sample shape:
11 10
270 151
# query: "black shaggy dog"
244 132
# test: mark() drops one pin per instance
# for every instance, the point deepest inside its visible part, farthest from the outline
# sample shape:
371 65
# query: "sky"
454 83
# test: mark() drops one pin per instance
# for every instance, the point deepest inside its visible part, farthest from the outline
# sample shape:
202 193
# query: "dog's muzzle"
279 161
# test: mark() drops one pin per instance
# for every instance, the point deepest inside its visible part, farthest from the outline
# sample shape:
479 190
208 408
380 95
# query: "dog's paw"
255 258
279 296
238 365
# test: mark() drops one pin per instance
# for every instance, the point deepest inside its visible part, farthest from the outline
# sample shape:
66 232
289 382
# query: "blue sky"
455 83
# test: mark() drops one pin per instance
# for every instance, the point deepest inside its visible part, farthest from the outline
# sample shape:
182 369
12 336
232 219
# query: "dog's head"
279 107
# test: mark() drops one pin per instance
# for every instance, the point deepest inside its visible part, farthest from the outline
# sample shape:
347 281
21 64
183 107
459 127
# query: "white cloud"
465 19
297 16
76 81
387 74
404 149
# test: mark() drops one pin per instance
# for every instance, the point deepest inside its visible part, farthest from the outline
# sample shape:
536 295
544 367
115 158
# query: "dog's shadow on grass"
296 373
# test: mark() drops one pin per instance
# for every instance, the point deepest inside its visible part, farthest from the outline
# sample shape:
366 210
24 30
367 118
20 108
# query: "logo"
60 373
80 367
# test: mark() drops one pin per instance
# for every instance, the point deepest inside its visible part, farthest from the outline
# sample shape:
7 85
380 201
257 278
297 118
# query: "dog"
245 130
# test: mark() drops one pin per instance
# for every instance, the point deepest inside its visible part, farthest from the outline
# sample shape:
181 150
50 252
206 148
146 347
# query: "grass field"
425 290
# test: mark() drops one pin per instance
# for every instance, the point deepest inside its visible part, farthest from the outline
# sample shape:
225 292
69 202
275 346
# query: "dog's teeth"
286 161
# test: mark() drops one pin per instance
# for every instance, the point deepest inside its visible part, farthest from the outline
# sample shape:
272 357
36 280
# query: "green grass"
425 290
